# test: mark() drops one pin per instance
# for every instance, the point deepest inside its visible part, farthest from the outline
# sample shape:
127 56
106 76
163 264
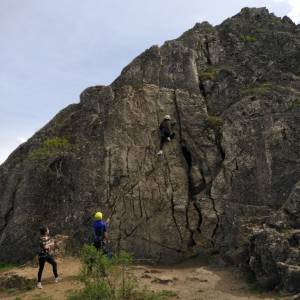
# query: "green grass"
51 155
10 291
256 289
51 147
208 74
214 121
6 266
258 89
42 297
265 88
248 38
294 105
165 294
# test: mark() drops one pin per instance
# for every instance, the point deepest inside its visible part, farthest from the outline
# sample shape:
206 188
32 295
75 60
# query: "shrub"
248 38
214 121
51 154
6 266
51 147
258 89
111 279
208 74
294 105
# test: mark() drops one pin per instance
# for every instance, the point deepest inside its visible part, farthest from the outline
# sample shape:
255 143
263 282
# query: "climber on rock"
47 245
100 231
165 133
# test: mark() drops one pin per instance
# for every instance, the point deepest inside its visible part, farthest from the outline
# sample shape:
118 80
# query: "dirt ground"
191 280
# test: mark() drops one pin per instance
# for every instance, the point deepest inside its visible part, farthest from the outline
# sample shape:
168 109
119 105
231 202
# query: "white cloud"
294 12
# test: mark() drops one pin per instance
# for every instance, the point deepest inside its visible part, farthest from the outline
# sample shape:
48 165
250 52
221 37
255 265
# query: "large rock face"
228 182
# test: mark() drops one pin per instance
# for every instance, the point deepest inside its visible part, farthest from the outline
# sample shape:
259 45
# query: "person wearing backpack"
165 133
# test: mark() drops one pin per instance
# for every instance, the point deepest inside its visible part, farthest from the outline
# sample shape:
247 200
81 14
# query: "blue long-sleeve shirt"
100 227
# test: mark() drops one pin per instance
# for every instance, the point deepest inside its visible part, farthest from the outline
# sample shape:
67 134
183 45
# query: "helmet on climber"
98 216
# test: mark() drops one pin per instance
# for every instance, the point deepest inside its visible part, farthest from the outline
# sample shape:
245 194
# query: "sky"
51 50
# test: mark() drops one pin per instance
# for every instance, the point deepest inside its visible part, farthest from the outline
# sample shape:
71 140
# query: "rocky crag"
229 182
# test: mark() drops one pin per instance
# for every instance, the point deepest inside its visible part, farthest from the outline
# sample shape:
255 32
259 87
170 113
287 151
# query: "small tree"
51 155
111 279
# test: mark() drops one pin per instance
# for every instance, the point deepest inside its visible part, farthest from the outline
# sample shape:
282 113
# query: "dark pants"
104 247
99 245
164 139
44 257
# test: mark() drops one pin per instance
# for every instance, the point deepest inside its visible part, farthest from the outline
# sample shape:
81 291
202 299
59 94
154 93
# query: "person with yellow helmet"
100 231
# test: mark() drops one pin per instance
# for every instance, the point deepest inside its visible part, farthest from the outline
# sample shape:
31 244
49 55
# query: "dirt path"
190 281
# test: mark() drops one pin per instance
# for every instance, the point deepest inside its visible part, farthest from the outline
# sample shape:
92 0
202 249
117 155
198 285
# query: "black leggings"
46 258
99 245
164 139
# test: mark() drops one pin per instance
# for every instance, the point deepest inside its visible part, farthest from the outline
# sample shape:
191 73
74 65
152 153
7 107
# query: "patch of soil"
194 280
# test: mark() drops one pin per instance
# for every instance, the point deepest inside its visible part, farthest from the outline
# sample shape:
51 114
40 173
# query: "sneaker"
56 279
160 152
39 285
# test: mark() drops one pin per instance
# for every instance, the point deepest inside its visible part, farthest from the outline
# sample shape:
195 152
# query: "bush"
51 147
5 266
208 74
214 122
258 89
49 157
294 105
248 38
111 279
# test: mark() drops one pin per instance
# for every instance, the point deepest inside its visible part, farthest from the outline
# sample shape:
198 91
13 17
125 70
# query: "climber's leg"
50 259
42 260
163 140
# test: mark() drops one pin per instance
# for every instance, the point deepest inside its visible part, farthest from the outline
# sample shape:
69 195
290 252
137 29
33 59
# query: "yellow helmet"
98 216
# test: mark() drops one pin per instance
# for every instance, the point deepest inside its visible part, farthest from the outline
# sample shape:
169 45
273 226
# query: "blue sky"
52 49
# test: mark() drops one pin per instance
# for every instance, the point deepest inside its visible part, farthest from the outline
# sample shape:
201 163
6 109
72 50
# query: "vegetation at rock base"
110 278
6 266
